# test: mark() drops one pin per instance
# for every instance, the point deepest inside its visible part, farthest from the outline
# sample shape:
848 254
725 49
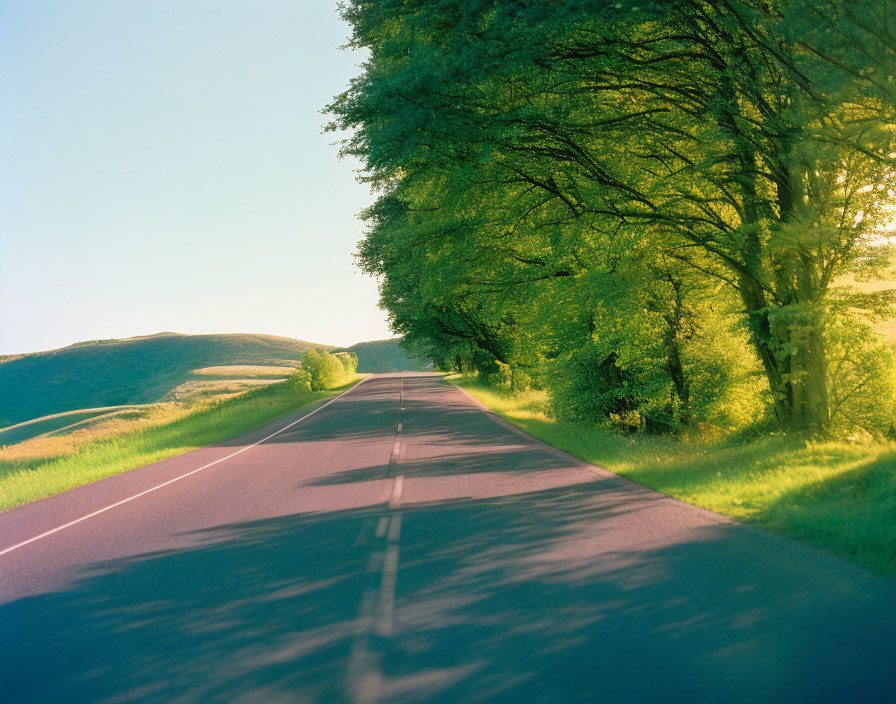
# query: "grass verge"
837 495
36 469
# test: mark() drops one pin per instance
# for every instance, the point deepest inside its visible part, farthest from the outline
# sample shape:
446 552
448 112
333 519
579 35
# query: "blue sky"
162 168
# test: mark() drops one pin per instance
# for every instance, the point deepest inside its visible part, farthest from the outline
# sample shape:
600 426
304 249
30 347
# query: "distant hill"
130 371
381 356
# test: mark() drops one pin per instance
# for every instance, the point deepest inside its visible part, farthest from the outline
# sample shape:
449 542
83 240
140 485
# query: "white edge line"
176 479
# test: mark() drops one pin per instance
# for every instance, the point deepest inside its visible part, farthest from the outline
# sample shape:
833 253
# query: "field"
837 495
51 392
49 465
127 372
99 408
56 423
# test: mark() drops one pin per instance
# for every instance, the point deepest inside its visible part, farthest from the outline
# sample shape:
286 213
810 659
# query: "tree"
325 369
727 137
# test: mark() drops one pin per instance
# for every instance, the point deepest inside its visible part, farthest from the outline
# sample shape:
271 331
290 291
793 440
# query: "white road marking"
369 684
381 527
365 675
397 486
363 679
387 592
176 479
394 528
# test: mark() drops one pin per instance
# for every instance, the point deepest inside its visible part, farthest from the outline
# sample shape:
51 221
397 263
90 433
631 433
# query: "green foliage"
349 361
861 383
567 183
324 370
300 381
728 390
589 385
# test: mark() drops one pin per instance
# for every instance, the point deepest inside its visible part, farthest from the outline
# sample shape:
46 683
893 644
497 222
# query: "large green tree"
729 137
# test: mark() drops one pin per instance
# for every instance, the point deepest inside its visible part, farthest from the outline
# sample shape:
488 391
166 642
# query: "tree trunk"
681 389
793 357
763 340
799 336
808 374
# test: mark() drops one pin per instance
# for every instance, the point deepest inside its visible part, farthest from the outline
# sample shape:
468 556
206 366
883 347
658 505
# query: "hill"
131 371
381 356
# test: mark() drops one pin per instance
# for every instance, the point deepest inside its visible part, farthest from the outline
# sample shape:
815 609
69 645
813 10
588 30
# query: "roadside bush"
324 370
510 377
623 377
588 385
729 392
349 361
300 381
861 388
502 376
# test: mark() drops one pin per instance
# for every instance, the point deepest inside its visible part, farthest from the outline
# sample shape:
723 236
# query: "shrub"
300 381
588 385
349 361
861 388
324 370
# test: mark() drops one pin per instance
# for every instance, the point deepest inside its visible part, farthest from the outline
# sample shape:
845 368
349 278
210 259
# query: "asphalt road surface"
404 545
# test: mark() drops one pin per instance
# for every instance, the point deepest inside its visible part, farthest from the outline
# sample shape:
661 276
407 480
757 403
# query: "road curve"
404 545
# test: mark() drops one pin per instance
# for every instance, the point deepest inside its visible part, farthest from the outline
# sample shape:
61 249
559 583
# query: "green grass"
218 389
131 371
837 495
166 366
244 371
47 466
48 424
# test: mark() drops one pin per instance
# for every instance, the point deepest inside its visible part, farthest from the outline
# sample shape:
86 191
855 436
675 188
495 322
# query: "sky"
163 168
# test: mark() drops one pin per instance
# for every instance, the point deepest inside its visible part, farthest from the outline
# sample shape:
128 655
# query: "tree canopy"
648 207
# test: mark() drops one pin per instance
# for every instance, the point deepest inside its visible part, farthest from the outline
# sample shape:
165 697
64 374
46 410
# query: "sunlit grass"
55 423
245 371
198 390
836 495
46 466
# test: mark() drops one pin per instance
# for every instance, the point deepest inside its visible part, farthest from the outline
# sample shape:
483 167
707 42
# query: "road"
404 545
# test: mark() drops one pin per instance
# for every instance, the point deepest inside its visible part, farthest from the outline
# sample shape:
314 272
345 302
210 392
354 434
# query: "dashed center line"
387 592
394 528
397 486
377 615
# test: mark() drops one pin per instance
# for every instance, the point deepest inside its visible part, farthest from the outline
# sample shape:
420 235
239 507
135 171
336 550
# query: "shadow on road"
502 600
520 579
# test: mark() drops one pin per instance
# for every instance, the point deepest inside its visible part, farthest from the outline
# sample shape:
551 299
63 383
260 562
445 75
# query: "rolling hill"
129 371
167 366
381 356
